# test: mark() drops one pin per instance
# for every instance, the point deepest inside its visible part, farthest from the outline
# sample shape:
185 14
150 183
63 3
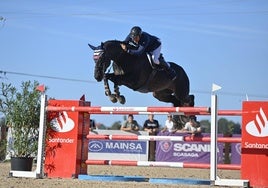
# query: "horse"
138 74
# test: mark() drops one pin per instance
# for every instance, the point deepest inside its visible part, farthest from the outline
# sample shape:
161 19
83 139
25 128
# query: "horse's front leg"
115 79
106 86
107 90
119 97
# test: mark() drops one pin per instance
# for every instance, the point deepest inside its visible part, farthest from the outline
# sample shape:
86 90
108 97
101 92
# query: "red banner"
66 146
254 144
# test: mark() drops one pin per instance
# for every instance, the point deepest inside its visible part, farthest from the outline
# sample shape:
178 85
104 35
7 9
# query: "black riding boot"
171 73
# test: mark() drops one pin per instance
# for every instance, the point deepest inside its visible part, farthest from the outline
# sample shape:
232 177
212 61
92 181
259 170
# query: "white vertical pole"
213 138
41 138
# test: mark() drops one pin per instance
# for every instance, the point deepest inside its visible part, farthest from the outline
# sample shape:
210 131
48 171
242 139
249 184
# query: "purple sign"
192 152
236 151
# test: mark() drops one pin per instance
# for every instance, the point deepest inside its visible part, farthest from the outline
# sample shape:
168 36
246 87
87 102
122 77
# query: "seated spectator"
92 124
130 124
169 125
192 126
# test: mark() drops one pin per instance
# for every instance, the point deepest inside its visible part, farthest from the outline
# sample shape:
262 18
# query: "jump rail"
126 110
161 164
145 110
157 138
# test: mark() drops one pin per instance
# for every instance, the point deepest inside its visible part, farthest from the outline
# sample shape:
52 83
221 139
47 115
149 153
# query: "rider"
144 42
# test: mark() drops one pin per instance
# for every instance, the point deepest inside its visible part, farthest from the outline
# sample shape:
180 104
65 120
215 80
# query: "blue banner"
114 146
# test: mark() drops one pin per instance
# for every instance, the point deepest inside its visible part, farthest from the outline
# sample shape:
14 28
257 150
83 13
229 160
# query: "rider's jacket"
147 43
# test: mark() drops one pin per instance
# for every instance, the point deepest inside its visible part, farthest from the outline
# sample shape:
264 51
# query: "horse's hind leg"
183 89
189 101
166 96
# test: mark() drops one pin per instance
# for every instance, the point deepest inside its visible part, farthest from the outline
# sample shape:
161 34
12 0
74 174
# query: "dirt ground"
150 172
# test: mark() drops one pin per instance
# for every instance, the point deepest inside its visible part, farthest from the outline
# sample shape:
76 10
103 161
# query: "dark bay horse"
137 73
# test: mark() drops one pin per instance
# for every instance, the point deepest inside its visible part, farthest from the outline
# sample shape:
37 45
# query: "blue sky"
223 42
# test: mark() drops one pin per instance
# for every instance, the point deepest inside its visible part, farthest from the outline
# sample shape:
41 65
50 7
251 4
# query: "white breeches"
156 54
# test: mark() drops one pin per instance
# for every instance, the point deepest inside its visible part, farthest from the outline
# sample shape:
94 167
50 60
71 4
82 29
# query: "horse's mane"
113 46
116 41
113 42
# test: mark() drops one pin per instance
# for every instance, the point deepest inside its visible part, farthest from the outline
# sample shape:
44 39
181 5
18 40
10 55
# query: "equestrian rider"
144 42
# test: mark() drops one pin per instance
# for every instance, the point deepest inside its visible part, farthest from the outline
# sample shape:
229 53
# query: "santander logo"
62 123
259 126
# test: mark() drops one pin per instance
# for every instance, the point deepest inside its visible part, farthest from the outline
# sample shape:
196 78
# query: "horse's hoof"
107 93
113 98
121 99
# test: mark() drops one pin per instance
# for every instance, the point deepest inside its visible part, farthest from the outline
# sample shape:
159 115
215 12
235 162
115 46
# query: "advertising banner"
118 149
192 152
255 143
65 144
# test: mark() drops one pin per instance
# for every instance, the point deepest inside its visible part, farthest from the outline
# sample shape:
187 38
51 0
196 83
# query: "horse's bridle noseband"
97 54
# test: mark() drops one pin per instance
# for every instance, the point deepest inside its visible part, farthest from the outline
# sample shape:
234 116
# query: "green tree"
101 126
237 128
3 139
21 109
205 125
224 126
116 125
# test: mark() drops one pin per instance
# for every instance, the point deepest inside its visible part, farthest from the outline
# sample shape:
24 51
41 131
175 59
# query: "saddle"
151 61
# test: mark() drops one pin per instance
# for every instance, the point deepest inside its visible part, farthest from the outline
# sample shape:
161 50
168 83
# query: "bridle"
101 60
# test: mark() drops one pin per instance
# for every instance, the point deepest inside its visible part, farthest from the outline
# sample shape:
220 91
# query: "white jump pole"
41 138
213 138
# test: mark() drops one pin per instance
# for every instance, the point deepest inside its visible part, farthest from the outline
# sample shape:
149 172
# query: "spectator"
152 127
130 124
169 125
92 124
192 126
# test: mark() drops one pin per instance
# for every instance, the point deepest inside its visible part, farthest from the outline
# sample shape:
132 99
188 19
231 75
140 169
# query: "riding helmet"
135 31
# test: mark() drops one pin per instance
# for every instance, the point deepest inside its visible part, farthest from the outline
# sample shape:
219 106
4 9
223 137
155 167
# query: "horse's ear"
102 45
92 47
